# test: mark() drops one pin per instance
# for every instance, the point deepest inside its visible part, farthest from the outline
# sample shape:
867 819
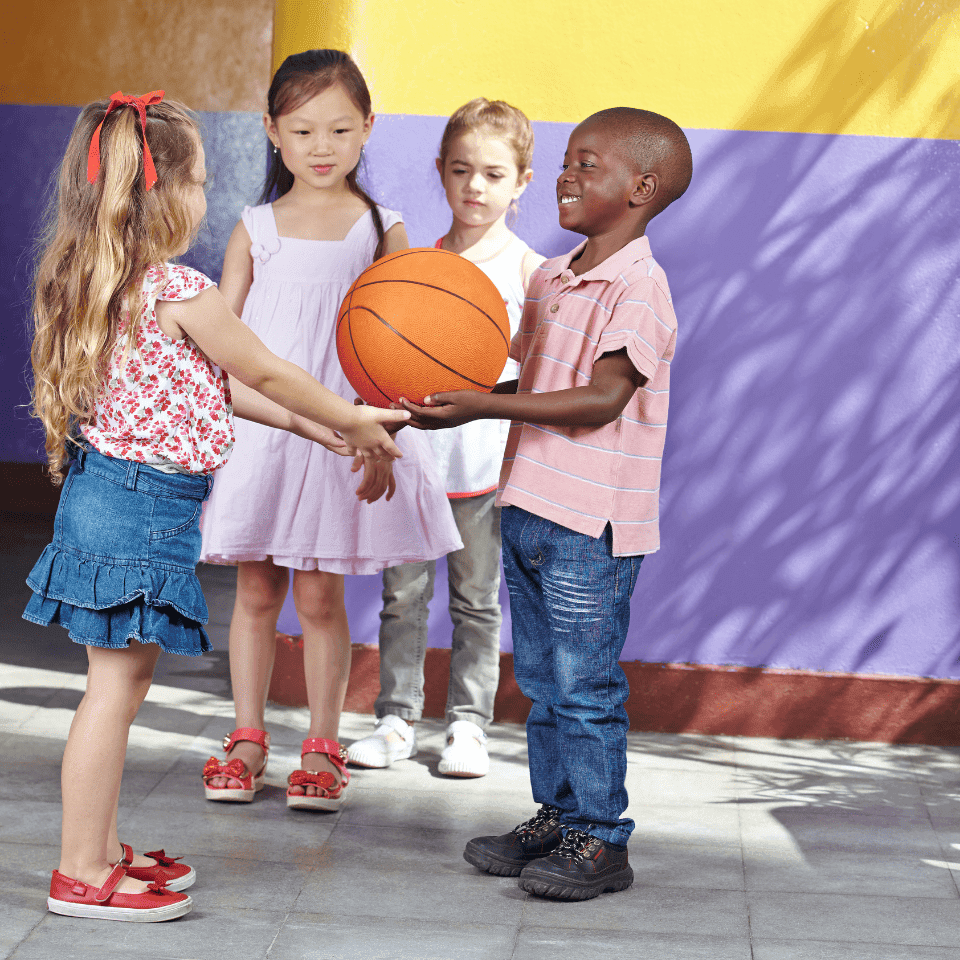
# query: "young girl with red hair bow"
139 365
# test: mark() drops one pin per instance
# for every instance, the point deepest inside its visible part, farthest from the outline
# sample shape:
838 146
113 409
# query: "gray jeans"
474 579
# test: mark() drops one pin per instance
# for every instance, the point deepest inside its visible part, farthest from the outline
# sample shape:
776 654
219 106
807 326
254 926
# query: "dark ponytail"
300 78
358 191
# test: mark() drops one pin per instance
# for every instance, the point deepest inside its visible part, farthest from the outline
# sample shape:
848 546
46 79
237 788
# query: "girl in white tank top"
484 164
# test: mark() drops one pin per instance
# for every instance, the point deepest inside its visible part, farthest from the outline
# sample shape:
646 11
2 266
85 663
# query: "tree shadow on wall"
843 61
811 496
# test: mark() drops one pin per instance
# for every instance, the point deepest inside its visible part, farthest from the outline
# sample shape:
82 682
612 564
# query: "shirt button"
566 278
554 307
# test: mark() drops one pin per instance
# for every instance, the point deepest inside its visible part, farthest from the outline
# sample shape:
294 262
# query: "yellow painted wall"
878 67
211 54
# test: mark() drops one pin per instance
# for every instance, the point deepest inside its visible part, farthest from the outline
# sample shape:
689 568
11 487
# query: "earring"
276 149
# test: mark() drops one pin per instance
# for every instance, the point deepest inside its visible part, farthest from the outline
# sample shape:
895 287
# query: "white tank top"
469 457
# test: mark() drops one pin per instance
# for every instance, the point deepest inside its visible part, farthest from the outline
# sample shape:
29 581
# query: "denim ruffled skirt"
122 564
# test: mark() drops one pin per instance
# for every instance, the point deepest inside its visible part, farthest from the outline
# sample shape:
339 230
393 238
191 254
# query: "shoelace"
545 816
573 845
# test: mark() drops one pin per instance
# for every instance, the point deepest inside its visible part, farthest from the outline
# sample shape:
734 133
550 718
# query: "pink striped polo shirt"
585 477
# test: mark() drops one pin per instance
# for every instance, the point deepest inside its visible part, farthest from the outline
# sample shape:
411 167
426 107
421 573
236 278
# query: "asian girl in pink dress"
283 504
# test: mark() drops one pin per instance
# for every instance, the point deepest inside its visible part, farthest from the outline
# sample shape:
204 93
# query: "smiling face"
481 178
320 140
597 183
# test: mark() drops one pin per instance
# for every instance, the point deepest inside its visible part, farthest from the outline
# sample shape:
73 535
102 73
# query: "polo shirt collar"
611 268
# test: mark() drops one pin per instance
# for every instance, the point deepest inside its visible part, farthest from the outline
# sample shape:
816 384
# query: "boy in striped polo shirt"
580 494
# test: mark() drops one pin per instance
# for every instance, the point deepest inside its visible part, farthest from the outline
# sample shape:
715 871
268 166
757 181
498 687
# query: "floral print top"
164 403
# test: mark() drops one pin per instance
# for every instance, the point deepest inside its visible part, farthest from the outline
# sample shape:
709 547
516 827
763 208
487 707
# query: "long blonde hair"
98 242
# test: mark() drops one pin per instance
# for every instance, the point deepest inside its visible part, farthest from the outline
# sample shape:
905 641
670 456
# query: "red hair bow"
140 104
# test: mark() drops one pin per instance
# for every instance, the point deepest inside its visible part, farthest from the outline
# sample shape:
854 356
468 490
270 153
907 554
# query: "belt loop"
133 470
80 456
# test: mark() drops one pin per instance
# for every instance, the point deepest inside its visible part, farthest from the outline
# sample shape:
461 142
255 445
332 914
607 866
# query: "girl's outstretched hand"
377 479
445 409
392 428
367 434
330 439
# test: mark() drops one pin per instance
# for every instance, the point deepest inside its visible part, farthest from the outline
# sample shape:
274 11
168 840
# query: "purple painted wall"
811 484
811 490
33 139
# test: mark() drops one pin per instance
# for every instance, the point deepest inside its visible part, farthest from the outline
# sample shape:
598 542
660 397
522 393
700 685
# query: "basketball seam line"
356 353
411 251
429 356
430 286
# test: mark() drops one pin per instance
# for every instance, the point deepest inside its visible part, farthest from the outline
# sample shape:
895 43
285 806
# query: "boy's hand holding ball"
442 410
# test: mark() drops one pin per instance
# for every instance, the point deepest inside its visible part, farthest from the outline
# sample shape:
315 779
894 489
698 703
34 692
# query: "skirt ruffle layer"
106 604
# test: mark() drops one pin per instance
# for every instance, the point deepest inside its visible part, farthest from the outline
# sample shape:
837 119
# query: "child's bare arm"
377 475
237 269
395 239
250 405
233 346
615 379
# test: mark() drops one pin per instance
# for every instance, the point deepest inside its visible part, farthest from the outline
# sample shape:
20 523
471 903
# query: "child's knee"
116 700
320 614
319 600
262 589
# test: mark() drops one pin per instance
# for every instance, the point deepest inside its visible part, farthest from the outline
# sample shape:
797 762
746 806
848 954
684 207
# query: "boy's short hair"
653 143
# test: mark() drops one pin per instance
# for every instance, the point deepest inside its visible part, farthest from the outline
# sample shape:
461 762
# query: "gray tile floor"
745 848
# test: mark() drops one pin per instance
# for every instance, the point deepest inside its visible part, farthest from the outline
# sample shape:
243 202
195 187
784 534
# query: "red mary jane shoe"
73 898
179 876
249 783
330 791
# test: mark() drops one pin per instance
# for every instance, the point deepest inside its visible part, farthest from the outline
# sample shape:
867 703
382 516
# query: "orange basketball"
418 322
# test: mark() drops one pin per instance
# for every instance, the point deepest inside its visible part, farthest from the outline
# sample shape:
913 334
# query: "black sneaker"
508 854
582 867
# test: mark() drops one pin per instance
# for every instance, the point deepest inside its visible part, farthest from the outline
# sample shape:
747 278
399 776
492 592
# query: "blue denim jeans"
570 605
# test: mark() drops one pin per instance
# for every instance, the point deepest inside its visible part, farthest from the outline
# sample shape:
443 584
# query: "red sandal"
73 898
330 791
249 782
178 876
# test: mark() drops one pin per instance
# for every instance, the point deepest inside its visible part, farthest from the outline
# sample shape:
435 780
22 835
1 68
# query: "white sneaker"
393 739
465 754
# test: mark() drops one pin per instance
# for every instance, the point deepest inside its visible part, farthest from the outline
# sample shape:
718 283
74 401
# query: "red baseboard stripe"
691 698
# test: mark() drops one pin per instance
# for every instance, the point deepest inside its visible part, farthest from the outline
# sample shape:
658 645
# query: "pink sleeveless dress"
283 497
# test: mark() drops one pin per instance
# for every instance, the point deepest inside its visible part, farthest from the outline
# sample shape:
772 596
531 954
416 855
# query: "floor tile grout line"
519 931
926 816
943 853
27 936
738 806
276 937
